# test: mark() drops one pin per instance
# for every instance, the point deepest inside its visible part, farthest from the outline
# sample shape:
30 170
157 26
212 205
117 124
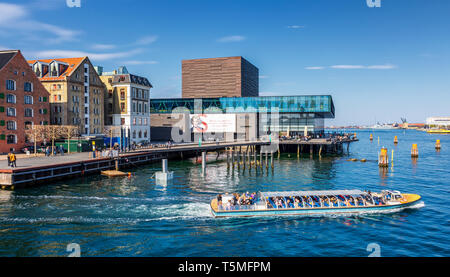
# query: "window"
11 125
28 99
134 134
122 107
122 121
11 112
122 94
11 98
28 87
140 134
28 125
86 79
11 139
134 121
145 134
28 112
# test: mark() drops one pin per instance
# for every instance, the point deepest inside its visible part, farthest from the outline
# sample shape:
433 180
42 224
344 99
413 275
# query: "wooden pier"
46 169
245 154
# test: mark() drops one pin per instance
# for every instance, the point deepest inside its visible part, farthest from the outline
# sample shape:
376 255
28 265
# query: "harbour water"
137 217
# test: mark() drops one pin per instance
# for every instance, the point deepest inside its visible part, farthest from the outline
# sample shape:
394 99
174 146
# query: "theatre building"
239 118
24 101
220 100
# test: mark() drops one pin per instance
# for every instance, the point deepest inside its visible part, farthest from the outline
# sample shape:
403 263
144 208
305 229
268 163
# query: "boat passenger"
279 203
219 200
296 202
228 207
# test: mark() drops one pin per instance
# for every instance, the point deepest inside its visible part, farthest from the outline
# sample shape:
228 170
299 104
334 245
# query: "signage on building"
213 123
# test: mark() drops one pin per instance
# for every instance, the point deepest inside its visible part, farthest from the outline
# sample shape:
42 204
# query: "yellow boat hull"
441 131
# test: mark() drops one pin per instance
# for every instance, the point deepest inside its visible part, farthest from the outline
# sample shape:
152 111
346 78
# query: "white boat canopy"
312 193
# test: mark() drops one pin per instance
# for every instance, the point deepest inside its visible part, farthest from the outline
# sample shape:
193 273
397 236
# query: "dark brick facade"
219 77
18 70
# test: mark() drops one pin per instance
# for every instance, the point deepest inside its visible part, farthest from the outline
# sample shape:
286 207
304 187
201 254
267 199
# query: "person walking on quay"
9 160
12 159
61 149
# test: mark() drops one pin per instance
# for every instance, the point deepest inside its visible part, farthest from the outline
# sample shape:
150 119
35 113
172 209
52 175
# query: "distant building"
127 103
24 101
219 77
438 122
76 93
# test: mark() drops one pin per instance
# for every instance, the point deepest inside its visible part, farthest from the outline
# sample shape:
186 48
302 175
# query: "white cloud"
385 66
231 39
17 18
296 26
100 46
139 62
93 56
146 40
9 12
314 67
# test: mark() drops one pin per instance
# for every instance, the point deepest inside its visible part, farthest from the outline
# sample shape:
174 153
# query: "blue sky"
379 64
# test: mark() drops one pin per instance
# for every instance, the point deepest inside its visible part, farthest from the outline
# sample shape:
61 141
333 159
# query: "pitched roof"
6 56
72 62
130 78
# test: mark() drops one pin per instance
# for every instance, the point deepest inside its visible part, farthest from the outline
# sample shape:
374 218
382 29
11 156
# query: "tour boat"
309 203
438 131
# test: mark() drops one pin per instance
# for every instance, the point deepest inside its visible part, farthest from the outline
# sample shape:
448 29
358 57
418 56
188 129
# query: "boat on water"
309 202
438 131
383 126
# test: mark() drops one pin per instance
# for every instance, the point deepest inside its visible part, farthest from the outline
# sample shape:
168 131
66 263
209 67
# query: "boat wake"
143 213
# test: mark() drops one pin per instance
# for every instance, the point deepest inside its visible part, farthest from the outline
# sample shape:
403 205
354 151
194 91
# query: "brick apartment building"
24 101
219 77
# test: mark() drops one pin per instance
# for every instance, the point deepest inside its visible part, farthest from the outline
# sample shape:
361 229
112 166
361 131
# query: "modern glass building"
273 113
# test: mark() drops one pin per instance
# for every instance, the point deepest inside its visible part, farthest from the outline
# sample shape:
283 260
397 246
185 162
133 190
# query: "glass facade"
316 104
274 113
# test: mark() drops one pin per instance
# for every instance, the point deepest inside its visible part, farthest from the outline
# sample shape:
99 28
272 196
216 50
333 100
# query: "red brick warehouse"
23 101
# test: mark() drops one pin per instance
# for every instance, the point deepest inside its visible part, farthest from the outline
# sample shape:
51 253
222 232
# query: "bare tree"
53 132
35 133
69 131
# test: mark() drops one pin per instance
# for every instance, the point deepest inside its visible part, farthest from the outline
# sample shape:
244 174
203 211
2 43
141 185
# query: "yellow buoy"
383 158
363 160
395 140
414 151
371 137
438 144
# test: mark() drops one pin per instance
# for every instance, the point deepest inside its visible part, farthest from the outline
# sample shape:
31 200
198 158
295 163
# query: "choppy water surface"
137 217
